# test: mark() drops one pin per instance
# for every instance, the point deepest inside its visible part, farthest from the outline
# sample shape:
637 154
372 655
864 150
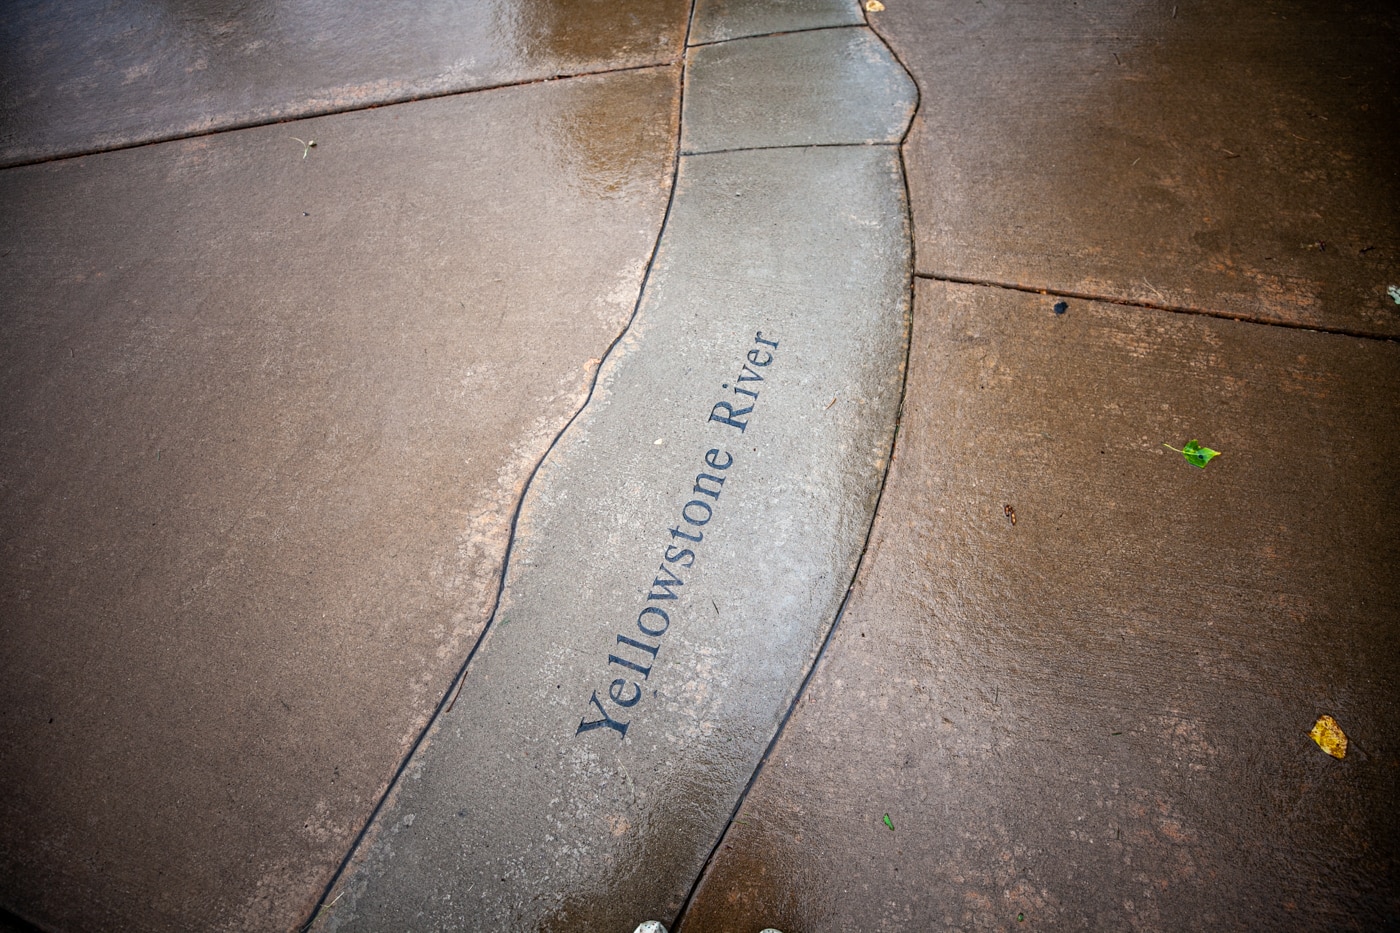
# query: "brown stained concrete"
1096 716
95 75
1234 157
266 419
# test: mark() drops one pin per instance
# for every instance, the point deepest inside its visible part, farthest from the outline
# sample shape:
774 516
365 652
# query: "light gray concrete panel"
86 75
718 20
265 421
1096 716
826 87
531 806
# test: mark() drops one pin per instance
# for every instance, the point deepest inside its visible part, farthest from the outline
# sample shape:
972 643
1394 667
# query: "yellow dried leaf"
874 6
1329 736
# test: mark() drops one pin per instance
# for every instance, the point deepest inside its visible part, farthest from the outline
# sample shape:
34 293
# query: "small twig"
455 693
830 403
1117 59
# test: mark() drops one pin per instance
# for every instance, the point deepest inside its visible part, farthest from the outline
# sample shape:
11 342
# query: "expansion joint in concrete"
872 144
770 35
293 117
1168 308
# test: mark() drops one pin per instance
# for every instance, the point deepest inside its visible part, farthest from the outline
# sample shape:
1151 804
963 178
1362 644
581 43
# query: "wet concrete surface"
267 417
675 567
1077 673
720 20
1232 157
680 555
797 89
1095 716
97 75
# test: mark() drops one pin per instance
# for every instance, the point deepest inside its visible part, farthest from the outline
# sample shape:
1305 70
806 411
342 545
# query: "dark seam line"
780 32
455 687
801 692
1153 306
330 112
868 145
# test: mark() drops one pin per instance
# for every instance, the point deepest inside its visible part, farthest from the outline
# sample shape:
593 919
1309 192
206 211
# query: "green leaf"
1195 454
889 822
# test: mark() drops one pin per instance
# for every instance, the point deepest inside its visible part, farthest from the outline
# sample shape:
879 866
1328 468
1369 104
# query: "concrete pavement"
1077 673
268 414
437 528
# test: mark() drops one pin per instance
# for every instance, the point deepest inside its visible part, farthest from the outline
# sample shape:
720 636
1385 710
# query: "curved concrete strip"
681 556
719 20
825 87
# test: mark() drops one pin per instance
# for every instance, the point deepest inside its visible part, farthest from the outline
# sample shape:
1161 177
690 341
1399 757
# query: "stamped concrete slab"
1219 156
1095 716
719 20
266 420
87 75
825 87
680 558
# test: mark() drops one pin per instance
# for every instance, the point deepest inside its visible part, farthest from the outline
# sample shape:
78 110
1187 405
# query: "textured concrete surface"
97 75
1096 717
1077 673
680 555
719 20
797 89
707 555
266 420
268 409
1232 157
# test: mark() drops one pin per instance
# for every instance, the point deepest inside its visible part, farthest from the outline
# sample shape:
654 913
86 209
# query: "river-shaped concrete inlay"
680 558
